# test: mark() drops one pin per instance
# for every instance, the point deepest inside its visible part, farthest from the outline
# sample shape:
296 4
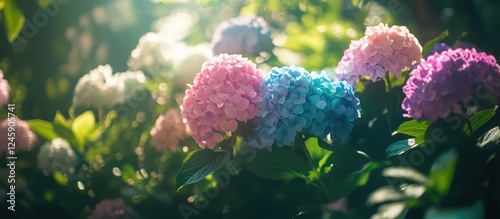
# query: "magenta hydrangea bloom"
168 130
444 80
4 90
113 209
382 49
242 35
223 93
24 137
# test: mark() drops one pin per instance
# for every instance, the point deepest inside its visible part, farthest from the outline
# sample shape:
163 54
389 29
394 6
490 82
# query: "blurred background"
61 40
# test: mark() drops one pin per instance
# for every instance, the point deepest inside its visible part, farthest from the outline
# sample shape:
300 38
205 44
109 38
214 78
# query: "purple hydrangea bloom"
444 81
242 35
294 100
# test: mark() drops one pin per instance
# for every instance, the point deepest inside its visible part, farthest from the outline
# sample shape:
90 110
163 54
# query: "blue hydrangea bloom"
296 101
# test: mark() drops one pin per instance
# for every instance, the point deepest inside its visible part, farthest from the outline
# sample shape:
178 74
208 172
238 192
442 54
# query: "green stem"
100 115
321 183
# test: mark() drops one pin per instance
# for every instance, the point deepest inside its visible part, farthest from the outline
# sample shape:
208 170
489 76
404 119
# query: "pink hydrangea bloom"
113 209
4 90
168 130
223 93
382 49
24 137
444 81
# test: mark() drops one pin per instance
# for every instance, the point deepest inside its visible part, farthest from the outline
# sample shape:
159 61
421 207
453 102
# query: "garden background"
48 45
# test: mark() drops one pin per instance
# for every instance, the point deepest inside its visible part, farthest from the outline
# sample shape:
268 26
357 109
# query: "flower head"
242 35
382 49
188 62
133 82
152 55
98 88
294 100
168 130
4 90
113 209
24 137
445 80
223 93
57 156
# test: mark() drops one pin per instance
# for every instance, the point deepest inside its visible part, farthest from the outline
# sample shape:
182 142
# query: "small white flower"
57 156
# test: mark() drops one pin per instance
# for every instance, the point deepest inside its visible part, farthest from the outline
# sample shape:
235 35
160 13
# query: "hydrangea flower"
133 82
113 209
382 49
100 88
223 93
57 156
188 61
242 35
153 54
24 137
445 80
4 90
168 130
294 100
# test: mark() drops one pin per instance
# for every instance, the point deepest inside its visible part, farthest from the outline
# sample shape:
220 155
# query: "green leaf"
199 165
480 118
13 19
83 125
428 46
442 172
43 128
414 128
63 130
400 147
318 154
281 163
490 139
60 178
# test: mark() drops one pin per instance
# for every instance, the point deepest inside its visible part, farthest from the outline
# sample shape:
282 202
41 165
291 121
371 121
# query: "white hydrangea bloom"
98 88
189 61
133 82
153 54
57 156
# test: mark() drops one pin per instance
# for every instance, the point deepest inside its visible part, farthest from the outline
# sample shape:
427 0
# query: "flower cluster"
242 35
113 209
168 130
24 137
187 62
381 49
153 54
101 88
223 93
445 80
4 90
57 156
294 100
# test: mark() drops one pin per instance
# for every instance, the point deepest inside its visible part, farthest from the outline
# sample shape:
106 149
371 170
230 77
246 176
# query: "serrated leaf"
480 118
281 163
199 165
43 128
13 19
414 128
400 147
83 125
430 44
